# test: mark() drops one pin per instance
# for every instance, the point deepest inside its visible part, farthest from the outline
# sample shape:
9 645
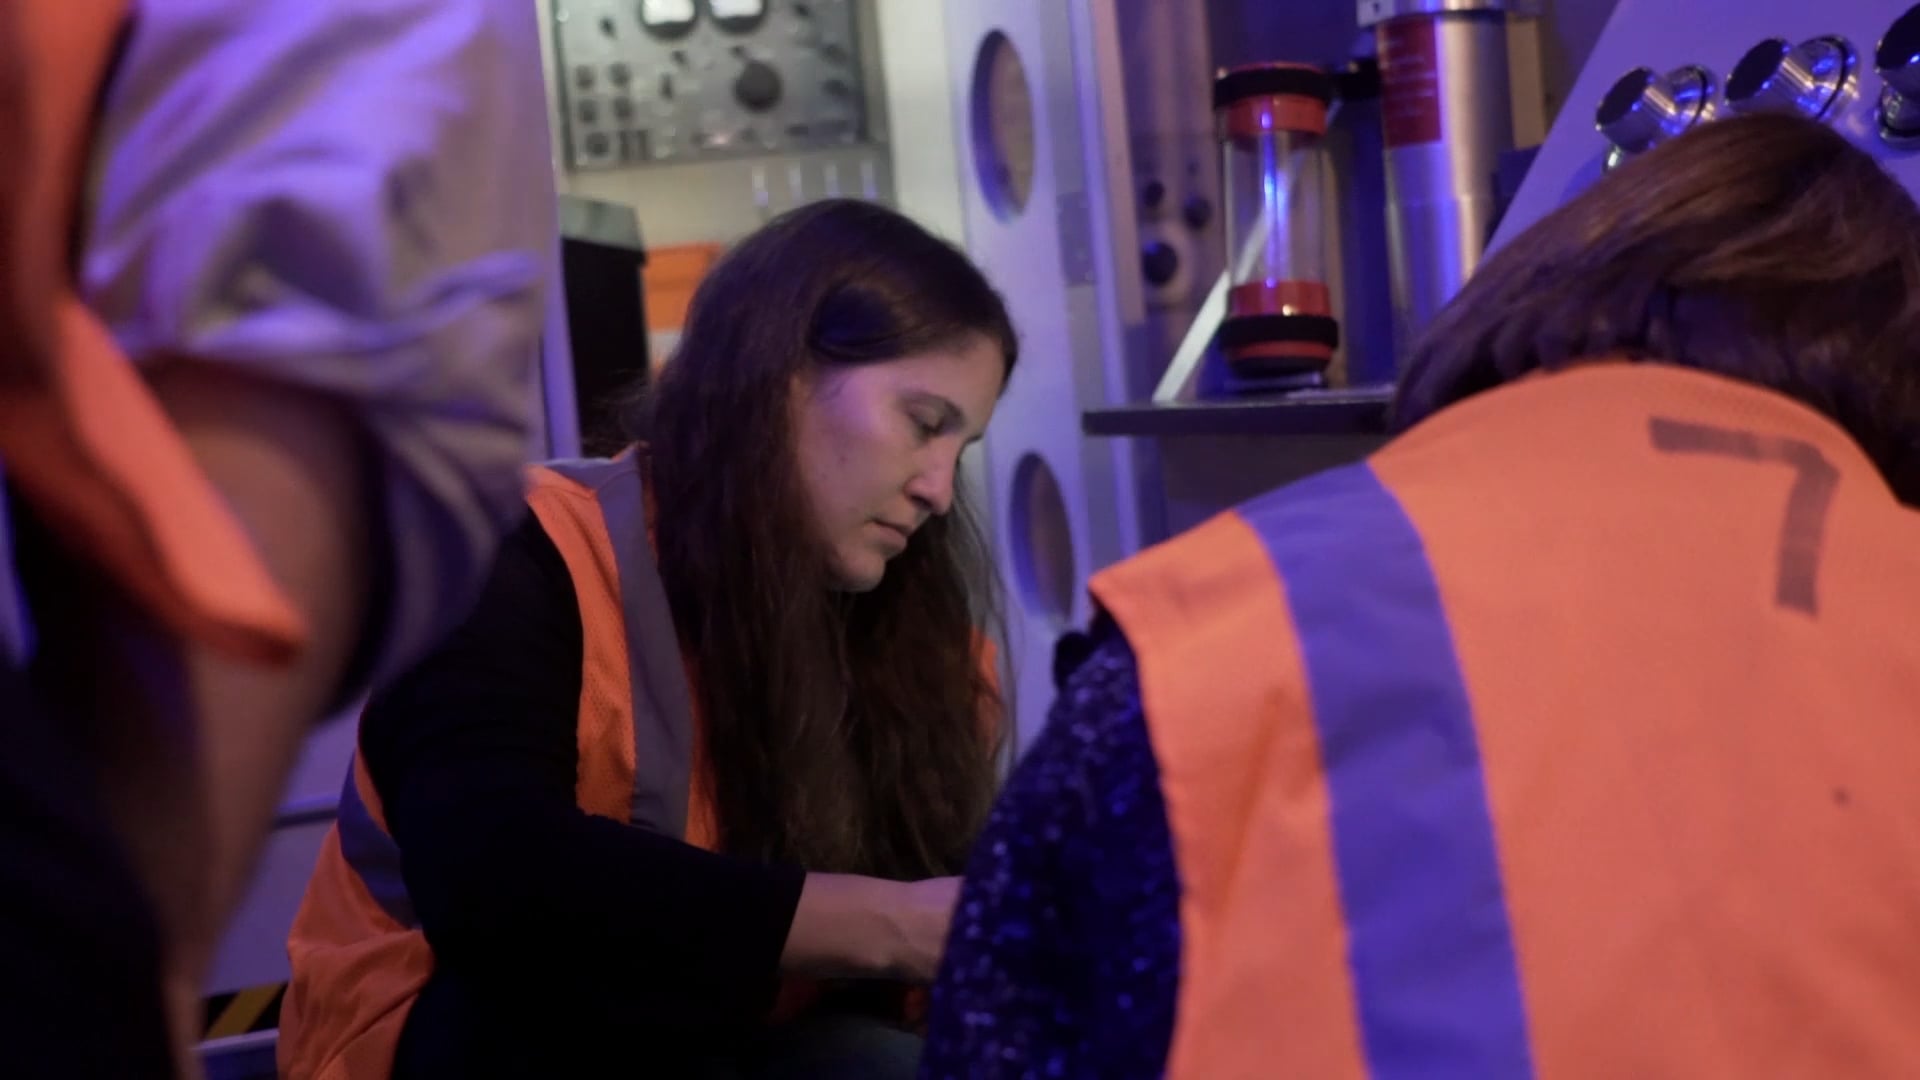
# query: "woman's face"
879 447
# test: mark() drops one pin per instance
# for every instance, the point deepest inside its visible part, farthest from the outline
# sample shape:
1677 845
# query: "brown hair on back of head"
1763 248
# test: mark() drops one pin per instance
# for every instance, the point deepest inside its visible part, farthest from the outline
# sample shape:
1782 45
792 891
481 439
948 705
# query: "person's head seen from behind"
1763 248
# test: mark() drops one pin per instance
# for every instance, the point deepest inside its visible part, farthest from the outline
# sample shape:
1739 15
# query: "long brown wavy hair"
854 733
1764 248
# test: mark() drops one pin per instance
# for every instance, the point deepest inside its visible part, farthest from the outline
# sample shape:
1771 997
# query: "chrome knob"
1897 58
1645 107
1810 78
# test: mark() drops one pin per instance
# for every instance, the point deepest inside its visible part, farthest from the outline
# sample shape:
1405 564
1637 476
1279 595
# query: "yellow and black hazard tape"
243 1012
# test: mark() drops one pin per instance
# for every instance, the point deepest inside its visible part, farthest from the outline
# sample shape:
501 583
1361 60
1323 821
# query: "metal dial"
668 19
738 16
1898 60
1645 107
757 88
1810 78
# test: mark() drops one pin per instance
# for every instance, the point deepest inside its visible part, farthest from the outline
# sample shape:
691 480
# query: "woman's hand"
923 914
850 927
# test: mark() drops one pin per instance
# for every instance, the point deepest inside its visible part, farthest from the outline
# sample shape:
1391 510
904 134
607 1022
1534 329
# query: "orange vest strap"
85 441
1409 800
1235 755
663 728
662 733
57 54
359 958
103 467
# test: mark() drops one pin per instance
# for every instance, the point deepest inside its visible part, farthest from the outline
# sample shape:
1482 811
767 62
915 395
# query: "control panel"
648 81
1852 64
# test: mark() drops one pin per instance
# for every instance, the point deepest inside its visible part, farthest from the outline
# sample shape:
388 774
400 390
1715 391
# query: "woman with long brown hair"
688 787
1569 735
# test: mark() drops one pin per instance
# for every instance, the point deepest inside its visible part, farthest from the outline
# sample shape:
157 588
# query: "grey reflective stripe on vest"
16 630
662 709
662 705
373 855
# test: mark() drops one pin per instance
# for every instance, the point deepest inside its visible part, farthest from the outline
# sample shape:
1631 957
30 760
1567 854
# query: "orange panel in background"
668 279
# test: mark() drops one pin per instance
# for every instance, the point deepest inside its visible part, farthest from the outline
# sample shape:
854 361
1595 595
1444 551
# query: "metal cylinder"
1447 116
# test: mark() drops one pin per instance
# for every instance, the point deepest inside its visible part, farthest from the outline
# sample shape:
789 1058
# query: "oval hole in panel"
1001 109
1042 538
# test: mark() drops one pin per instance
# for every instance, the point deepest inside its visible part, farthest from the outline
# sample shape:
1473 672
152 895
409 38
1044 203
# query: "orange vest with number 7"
1574 734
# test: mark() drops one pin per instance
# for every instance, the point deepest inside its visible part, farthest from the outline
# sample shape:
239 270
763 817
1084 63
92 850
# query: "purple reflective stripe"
662 709
662 701
373 855
16 623
1435 976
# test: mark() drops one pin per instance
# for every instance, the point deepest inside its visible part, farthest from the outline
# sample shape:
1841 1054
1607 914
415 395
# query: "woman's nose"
933 488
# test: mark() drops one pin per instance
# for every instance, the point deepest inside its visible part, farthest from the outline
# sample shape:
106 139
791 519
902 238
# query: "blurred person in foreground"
266 382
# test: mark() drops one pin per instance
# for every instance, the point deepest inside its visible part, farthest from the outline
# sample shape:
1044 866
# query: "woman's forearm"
847 926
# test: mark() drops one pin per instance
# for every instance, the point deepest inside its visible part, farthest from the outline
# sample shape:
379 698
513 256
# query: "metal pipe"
1447 116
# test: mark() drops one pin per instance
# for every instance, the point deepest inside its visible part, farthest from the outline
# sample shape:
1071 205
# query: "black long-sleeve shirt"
548 923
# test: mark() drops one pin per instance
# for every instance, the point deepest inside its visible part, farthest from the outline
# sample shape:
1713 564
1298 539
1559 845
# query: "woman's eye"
926 429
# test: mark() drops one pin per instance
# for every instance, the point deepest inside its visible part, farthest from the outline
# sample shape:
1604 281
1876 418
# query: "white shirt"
354 196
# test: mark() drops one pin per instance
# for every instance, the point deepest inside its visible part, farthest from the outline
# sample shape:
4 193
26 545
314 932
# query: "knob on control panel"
1645 107
1810 78
1159 263
1898 60
758 87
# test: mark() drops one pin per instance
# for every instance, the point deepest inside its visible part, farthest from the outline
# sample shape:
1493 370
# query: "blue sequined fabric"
1065 954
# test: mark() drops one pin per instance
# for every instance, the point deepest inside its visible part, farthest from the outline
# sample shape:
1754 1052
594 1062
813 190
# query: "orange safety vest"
358 955
1571 735
83 441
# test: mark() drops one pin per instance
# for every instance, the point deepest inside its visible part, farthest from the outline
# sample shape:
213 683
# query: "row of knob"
1815 78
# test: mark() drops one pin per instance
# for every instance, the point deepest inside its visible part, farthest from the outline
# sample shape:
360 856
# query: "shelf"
1354 411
